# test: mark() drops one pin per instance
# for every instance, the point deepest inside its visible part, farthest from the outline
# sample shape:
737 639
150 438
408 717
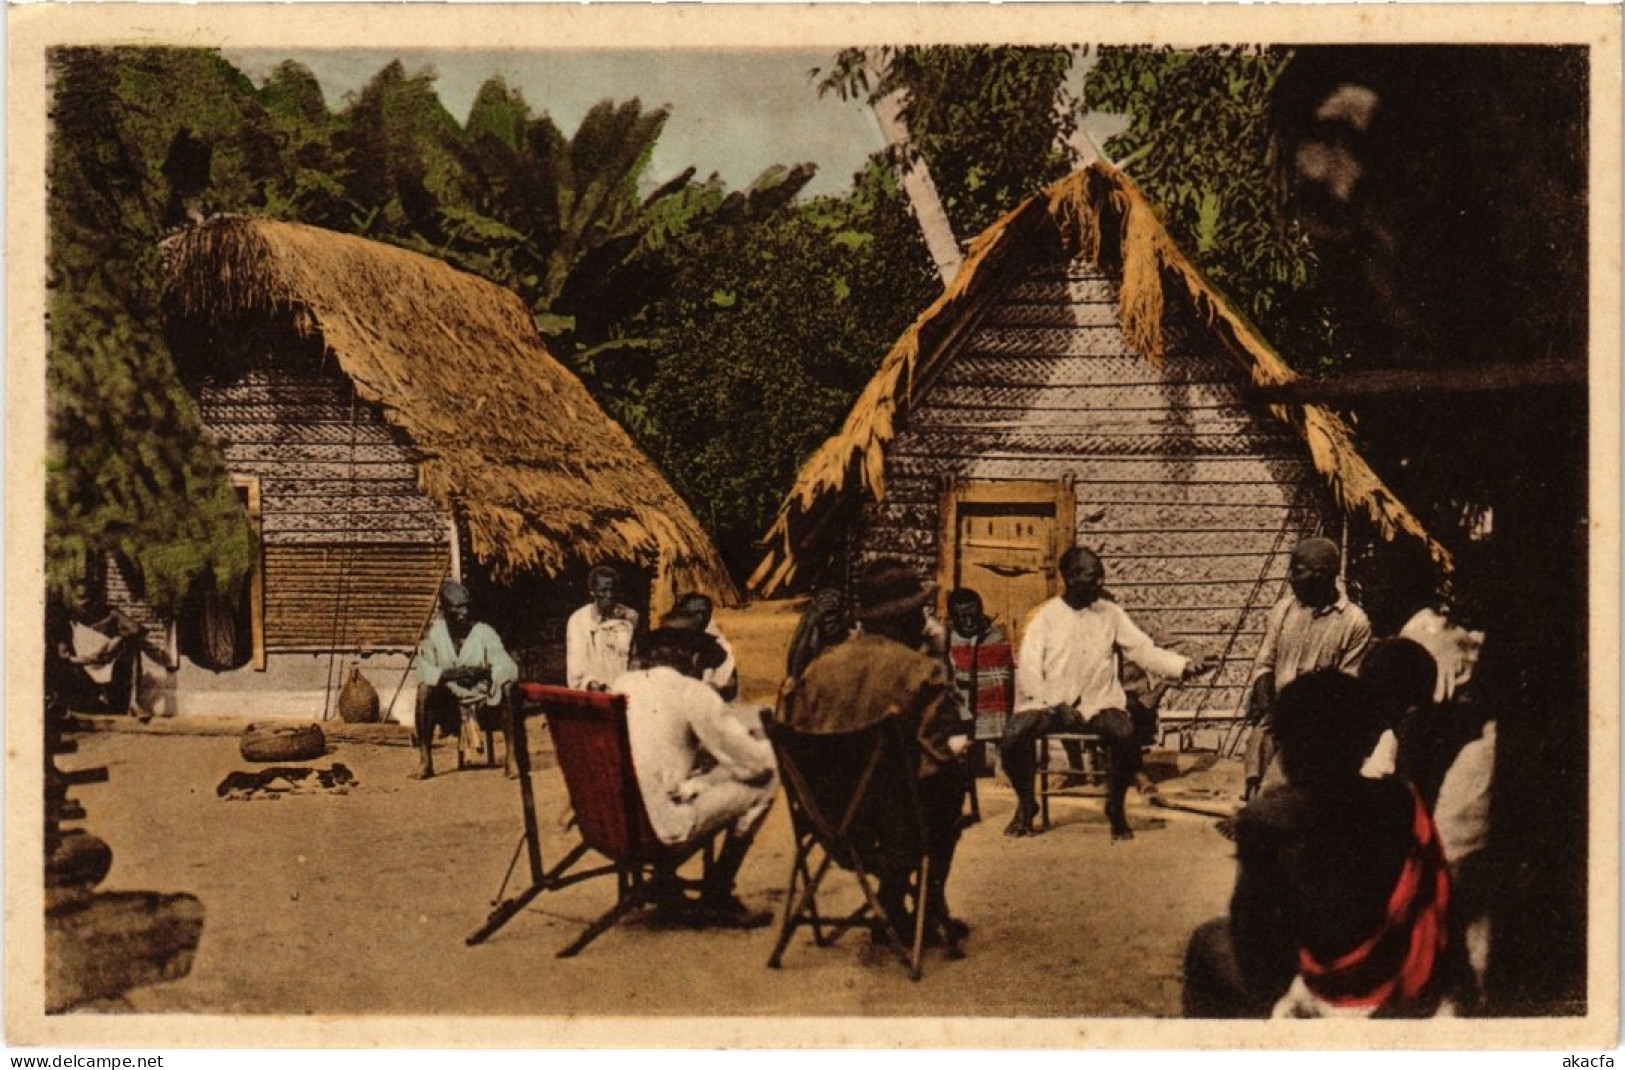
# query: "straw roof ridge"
509 439
1100 215
1152 261
853 459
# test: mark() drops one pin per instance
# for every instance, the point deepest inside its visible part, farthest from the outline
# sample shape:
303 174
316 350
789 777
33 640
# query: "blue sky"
733 112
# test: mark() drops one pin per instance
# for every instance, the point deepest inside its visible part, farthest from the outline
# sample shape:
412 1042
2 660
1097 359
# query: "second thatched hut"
390 422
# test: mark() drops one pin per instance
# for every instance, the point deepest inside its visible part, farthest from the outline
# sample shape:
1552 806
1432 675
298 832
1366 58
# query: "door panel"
1004 539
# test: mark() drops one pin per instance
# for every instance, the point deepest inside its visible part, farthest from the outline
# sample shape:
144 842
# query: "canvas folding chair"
838 789
592 750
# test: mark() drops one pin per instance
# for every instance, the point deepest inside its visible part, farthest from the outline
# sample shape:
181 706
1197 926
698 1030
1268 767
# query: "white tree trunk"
918 187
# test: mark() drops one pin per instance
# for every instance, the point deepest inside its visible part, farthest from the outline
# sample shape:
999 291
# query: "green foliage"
310 186
743 389
127 471
1198 145
990 122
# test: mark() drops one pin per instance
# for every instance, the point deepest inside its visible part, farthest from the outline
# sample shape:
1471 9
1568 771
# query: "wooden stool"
1093 775
473 740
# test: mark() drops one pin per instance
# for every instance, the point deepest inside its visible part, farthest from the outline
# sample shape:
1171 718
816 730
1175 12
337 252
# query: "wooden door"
1002 540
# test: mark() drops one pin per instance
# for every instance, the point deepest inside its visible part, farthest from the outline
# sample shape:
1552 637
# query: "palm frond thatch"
509 440
1099 216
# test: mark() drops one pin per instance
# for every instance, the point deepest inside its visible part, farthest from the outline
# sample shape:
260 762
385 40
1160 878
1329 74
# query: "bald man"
466 671
1313 626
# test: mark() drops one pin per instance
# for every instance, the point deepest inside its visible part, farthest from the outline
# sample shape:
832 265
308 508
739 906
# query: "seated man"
1341 899
97 656
724 677
878 674
465 672
1067 679
599 636
699 766
823 624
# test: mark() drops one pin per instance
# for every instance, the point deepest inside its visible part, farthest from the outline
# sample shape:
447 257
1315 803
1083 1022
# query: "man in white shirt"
724 678
98 659
598 636
700 764
1067 680
466 672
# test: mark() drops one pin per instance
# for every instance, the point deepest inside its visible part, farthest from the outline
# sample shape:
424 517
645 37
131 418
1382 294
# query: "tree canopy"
128 472
727 329
1198 144
991 122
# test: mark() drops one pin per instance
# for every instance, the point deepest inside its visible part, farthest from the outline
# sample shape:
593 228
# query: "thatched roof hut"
1080 383
505 438
1101 219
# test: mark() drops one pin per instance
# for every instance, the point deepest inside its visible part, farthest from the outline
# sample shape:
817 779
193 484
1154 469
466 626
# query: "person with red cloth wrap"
1341 903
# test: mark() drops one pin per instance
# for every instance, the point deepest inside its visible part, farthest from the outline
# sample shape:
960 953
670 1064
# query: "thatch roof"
1102 218
509 440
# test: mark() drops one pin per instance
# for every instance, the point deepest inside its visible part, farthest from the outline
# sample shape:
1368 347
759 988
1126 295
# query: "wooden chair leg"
1042 777
807 900
879 912
970 764
922 911
787 917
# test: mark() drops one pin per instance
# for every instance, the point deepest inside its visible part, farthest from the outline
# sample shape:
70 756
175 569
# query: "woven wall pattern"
1222 471
1050 288
1149 396
1112 366
1086 441
330 471
1192 496
1100 518
350 597
1170 422
923 489
1019 314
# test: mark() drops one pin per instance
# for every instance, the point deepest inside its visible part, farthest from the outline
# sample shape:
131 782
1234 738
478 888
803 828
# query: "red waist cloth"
1396 966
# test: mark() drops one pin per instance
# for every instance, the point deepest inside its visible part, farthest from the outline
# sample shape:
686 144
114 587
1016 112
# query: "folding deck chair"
591 746
838 788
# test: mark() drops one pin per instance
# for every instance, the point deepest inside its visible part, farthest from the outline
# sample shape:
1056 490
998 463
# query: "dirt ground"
360 903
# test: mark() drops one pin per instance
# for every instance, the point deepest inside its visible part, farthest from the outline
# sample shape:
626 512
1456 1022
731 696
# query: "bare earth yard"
360 903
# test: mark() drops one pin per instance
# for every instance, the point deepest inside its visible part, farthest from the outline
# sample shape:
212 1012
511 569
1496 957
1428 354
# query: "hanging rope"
1189 731
1233 738
342 594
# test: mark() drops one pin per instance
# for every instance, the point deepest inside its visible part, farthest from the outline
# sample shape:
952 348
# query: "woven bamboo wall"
1192 497
353 550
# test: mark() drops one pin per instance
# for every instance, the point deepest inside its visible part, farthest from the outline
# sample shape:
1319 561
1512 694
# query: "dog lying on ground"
285 779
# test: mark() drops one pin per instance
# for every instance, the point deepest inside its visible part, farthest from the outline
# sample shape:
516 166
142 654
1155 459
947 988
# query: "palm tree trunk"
917 185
